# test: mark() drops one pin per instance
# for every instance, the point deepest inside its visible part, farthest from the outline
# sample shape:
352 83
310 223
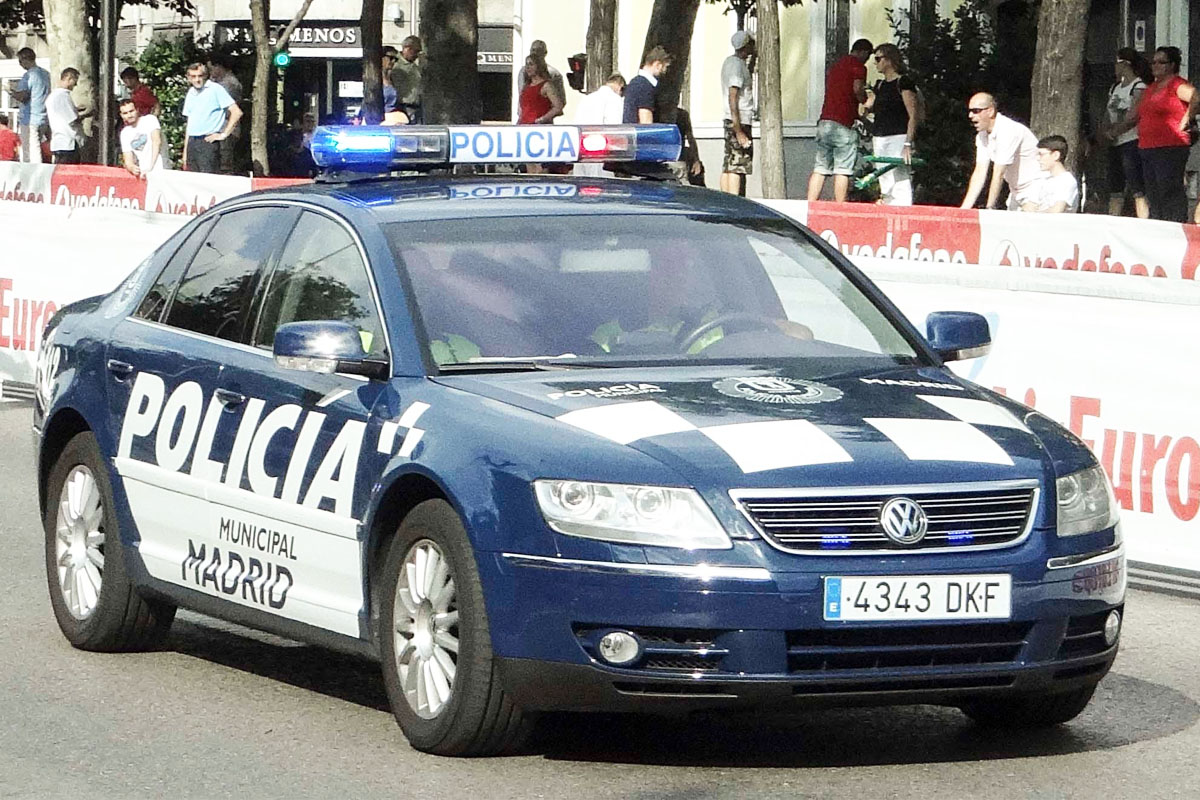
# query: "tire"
1030 711
96 604
435 645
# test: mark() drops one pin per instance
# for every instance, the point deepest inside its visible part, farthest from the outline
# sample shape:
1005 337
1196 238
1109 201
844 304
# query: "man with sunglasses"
1009 147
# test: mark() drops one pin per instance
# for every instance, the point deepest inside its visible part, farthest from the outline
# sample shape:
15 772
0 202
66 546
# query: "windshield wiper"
503 365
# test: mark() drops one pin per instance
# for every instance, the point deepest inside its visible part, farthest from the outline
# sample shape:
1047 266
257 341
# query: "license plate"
865 597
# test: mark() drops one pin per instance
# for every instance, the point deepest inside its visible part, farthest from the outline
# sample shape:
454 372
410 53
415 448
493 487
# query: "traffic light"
578 65
283 58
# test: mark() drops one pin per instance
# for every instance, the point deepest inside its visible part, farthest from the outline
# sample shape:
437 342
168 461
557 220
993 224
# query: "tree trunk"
671 24
922 21
1058 72
450 80
837 30
601 34
72 45
372 71
264 52
771 101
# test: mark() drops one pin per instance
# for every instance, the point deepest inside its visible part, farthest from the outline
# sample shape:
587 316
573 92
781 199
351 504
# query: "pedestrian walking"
10 143
894 103
66 129
1164 115
406 80
641 92
211 114
605 106
689 151
738 102
538 48
392 115
1124 159
837 142
140 93
539 102
220 72
31 92
142 148
1059 191
1010 149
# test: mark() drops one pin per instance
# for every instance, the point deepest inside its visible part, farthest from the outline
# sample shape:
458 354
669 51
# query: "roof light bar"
380 147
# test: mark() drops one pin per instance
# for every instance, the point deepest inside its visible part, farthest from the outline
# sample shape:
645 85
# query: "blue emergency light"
417 146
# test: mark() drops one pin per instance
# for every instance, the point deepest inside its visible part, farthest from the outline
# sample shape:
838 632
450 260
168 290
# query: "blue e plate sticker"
833 598
478 144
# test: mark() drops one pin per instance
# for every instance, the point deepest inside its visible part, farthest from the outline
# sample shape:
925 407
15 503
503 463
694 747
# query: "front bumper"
718 637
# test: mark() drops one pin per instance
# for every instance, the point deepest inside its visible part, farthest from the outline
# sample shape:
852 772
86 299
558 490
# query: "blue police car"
543 443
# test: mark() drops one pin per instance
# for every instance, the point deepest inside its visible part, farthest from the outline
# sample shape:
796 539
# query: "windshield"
623 289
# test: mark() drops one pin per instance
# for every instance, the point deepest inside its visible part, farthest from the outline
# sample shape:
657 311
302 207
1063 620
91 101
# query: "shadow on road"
1125 710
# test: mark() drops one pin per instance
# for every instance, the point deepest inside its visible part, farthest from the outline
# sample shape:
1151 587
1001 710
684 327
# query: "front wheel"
94 600
1030 711
436 648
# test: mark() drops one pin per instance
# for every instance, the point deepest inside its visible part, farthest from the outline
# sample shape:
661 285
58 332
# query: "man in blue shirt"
211 116
31 92
641 92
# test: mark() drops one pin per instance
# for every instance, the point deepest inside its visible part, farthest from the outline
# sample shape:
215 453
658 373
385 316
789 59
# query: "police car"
552 443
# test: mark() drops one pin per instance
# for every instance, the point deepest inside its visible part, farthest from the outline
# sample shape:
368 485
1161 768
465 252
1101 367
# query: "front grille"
978 515
830 650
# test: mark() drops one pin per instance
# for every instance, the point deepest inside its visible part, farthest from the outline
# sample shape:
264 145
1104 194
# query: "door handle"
120 369
229 398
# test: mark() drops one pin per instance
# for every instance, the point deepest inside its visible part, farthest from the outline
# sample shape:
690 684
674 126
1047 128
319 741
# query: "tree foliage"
15 13
162 65
959 57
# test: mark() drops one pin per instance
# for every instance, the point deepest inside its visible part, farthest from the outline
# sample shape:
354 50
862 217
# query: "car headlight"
615 512
1085 502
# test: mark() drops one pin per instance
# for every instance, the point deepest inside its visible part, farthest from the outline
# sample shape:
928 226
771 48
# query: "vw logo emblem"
903 520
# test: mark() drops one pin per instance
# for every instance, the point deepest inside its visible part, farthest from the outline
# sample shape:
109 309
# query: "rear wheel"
1030 711
436 648
94 601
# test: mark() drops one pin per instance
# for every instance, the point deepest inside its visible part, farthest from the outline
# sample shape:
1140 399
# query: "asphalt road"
221 712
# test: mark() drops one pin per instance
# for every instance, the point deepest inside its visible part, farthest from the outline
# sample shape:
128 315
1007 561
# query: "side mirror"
325 346
958 335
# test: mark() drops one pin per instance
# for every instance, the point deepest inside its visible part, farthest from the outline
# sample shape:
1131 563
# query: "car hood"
727 427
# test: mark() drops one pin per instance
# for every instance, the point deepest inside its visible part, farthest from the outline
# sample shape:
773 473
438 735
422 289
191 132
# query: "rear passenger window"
159 295
321 276
216 293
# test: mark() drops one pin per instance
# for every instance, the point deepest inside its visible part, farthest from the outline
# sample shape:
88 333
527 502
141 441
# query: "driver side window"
321 276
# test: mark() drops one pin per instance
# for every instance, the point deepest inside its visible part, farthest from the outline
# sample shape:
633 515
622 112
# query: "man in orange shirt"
10 143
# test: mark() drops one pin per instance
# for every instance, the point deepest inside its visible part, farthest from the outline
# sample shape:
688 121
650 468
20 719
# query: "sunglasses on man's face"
978 110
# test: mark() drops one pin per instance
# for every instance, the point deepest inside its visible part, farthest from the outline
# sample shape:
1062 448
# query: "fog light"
1112 627
619 648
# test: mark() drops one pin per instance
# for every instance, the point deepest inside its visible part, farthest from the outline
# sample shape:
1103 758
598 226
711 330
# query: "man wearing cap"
739 111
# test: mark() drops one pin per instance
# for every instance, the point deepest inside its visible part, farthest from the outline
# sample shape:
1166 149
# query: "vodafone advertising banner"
1065 242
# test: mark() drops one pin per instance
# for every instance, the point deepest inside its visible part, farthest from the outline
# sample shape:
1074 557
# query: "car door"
164 364
303 457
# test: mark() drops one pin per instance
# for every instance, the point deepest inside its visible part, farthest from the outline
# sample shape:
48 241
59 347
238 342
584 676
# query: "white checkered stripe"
407 423
779 444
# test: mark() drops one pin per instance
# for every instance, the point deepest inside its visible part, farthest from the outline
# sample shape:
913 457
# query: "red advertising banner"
917 233
91 186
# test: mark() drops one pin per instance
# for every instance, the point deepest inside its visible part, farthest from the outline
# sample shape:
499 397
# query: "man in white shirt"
1010 148
141 141
66 132
1059 191
739 113
605 106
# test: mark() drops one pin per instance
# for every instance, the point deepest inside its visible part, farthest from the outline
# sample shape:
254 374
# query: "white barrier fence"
1106 354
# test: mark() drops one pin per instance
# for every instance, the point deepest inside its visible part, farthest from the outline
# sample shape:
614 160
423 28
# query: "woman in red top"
539 102
1164 115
